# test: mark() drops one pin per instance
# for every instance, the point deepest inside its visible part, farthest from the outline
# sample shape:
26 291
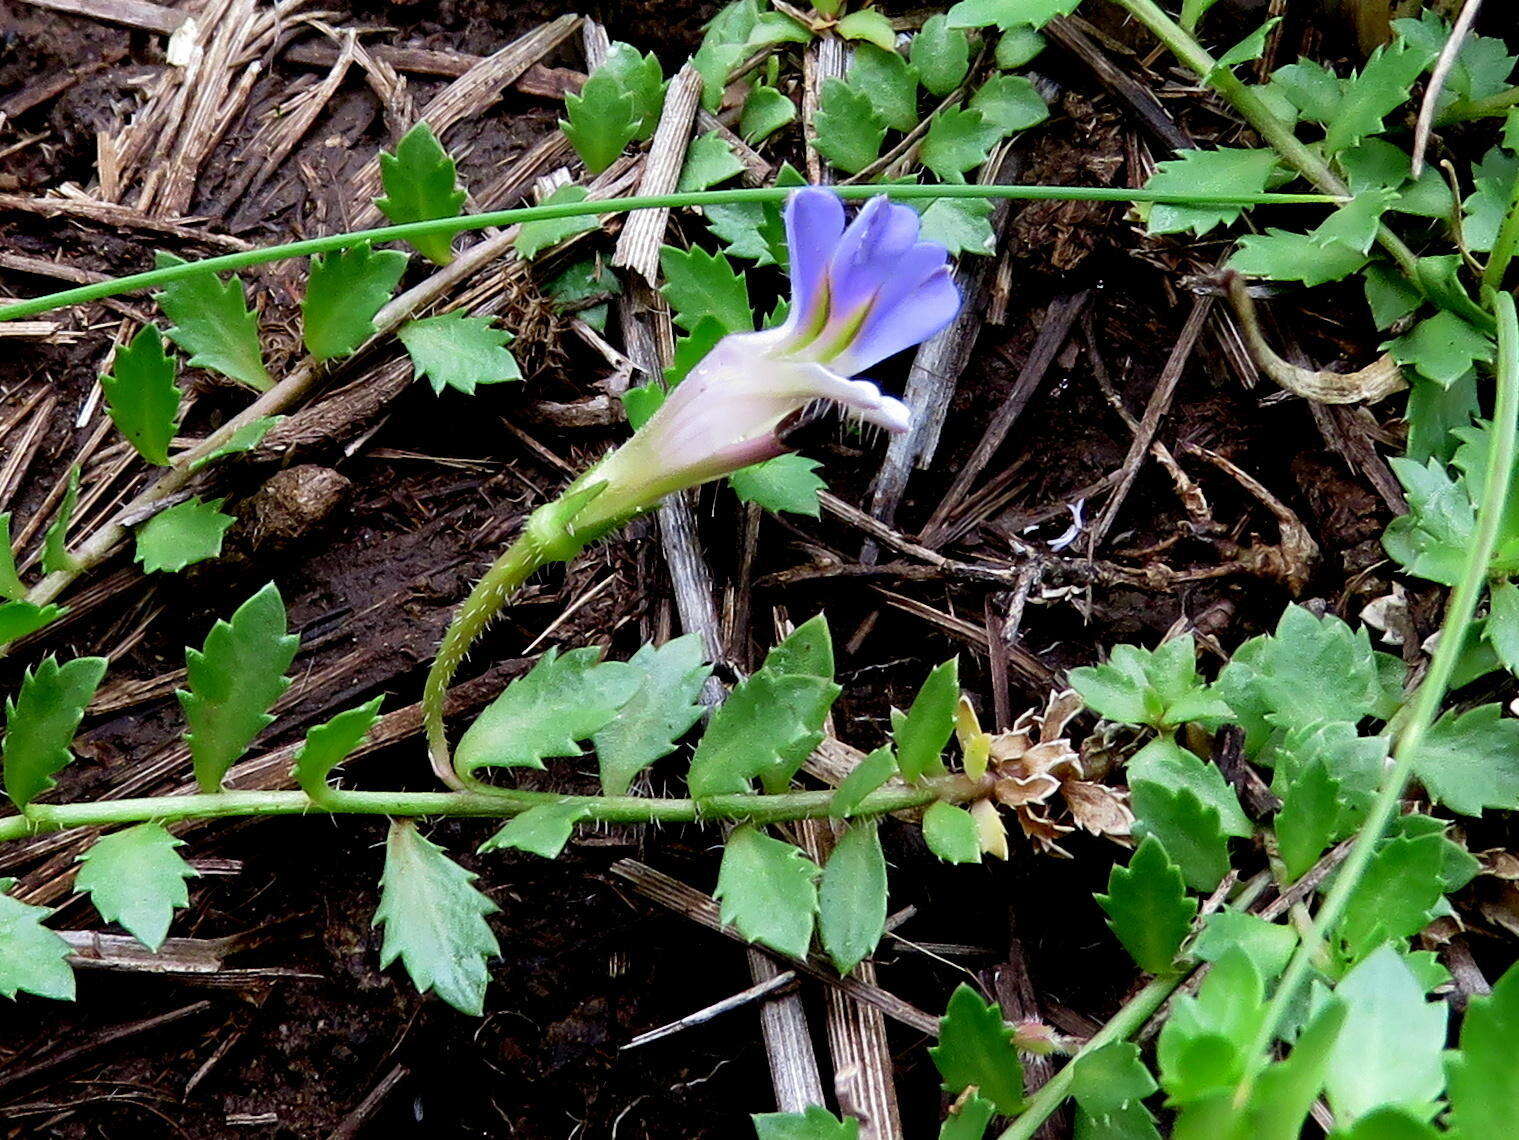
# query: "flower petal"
814 223
915 317
868 253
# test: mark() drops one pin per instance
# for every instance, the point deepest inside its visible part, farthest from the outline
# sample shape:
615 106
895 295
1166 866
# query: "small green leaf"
1268 945
328 745
807 650
710 160
691 350
33 959
661 711
55 552
1389 1051
968 1118
1484 1082
1222 171
1188 828
233 682
1018 46
814 1123
1107 1079
1283 255
137 878
767 891
960 225
958 140
852 897
434 920
186 533
535 237
1159 688
1442 347
455 351
639 404
1252 47
212 322
11 585
245 438
600 121
345 290
1008 13
564 699
941 55
766 111
18 619
1309 819
889 83
1382 86
41 720
870 26
1502 629
541 830
1395 897
1166 763
921 735
1011 103
699 284
847 131
760 729
976 1049
641 77
951 833
785 483
868 775
1148 908
141 395
1204 1044
752 230
1469 761
421 183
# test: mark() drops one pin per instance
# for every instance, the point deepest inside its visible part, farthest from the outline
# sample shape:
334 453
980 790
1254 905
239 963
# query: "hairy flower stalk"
859 293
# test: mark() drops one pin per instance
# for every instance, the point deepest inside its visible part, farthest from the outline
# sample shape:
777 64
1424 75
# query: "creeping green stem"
1426 702
40 818
232 261
1507 241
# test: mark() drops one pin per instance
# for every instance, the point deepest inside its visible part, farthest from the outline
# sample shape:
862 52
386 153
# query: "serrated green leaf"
1188 828
940 54
11 585
1502 629
813 1123
33 959
1204 1044
1493 182
212 322
1469 761
455 351
1008 13
1355 224
1394 897
41 720
1166 763
1381 87
960 225
1268 945
1148 908
328 745
1389 295
186 533
1481 68
541 830
1309 819
434 920
807 650
755 730
564 699
17 619
852 897
958 140
1431 540
661 710
535 237
767 891
1442 347
1159 688
921 735
976 1049
951 833
1106 1079
141 395
736 32
1283 255
868 775
709 160
1222 171
1010 102
1484 1082
233 682
766 111
752 230
1131 1122
785 483
136 878
639 404
888 82
641 77
690 350
245 438
345 290
55 552
847 131
699 284
421 183
1389 1051
600 121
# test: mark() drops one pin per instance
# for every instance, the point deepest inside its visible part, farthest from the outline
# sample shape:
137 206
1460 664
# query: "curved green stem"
246 258
1500 103
41 818
1426 703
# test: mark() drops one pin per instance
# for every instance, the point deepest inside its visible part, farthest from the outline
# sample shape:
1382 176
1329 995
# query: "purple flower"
859 294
